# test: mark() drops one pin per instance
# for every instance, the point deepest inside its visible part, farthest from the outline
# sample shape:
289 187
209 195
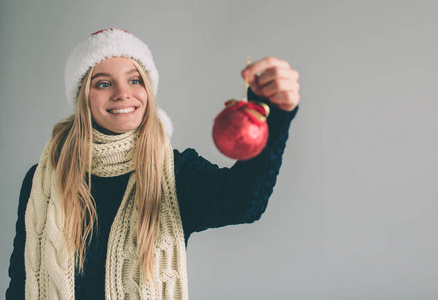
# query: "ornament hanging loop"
246 84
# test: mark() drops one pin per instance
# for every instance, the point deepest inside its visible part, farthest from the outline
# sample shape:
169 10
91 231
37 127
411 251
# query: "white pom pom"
165 120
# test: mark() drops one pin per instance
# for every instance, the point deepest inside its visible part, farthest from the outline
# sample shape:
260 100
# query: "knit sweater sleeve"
16 264
211 197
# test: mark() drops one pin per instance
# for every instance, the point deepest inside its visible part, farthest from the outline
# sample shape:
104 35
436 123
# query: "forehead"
114 65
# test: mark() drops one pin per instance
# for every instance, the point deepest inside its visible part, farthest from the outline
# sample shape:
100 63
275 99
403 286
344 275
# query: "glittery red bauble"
240 131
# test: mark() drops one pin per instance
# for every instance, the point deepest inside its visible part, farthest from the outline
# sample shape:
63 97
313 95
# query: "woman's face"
118 96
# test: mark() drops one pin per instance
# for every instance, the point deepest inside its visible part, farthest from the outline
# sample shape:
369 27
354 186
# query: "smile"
121 110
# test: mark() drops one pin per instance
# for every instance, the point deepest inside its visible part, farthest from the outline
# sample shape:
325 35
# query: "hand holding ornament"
274 79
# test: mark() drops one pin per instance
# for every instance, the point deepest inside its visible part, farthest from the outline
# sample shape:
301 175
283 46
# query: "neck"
104 130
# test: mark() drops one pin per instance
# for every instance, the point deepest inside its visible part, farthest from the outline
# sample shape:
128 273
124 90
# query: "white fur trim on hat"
99 46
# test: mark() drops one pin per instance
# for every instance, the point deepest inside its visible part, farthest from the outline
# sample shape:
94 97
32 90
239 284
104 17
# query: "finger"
278 85
256 87
286 100
278 73
262 65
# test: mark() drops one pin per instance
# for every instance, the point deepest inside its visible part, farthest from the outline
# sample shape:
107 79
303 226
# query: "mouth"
120 111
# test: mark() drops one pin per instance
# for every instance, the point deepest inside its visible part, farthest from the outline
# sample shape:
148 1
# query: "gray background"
354 213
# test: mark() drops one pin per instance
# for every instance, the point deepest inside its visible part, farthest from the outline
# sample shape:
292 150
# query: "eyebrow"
107 74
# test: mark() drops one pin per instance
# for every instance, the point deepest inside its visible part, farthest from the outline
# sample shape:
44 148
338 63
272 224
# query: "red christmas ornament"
240 131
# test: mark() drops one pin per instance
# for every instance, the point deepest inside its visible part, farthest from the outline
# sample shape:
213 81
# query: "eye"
103 84
135 81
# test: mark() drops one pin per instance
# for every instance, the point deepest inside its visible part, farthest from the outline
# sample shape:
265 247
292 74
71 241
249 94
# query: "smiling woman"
118 96
108 210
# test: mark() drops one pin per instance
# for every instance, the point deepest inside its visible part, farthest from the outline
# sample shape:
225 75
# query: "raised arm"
212 197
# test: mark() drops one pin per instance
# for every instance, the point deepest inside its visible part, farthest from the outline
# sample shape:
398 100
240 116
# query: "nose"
121 92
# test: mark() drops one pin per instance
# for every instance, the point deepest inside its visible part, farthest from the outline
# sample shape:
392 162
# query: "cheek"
93 111
143 96
95 105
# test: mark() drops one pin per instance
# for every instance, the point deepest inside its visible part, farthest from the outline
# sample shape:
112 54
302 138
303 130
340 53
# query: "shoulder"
180 159
27 181
26 187
184 154
29 174
189 158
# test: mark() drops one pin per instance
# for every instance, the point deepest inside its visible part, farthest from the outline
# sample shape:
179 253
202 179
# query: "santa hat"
105 44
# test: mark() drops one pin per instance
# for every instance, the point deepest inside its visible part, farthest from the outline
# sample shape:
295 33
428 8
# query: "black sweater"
208 197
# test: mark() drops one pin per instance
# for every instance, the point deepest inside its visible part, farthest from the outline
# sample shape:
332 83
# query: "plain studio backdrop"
354 214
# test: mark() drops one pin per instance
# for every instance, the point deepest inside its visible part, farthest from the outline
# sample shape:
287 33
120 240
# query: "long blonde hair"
71 157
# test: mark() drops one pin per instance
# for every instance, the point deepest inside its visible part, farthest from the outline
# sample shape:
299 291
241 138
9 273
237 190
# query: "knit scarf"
50 269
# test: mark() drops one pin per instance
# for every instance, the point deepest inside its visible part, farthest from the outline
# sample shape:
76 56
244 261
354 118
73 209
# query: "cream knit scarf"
49 265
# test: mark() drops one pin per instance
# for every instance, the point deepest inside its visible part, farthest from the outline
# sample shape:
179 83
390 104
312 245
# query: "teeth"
122 111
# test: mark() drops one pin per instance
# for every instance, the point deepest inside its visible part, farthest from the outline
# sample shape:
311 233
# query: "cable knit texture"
49 265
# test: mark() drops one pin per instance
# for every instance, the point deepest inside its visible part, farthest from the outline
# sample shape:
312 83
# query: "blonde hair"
71 157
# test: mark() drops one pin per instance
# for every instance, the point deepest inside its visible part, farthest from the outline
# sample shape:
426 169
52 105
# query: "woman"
121 232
